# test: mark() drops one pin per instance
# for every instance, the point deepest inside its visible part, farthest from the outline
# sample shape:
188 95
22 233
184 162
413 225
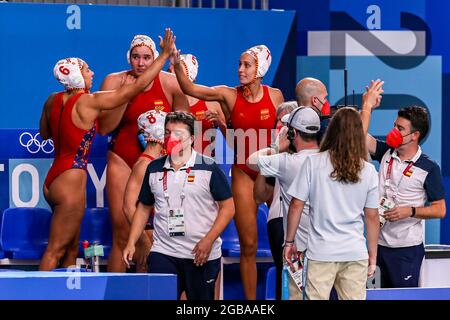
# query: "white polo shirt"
421 184
203 187
336 230
275 210
285 166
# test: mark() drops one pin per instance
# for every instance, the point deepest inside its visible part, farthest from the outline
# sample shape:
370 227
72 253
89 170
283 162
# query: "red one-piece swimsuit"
256 120
72 144
125 142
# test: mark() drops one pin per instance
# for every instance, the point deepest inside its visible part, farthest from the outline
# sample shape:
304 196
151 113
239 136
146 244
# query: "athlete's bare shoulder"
167 76
114 80
276 95
49 102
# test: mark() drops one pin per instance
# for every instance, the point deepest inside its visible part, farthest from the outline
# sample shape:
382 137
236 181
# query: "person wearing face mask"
208 113
151 124
411 190
311 92
163 94
70 119
303 126
250 109
267 189
193 204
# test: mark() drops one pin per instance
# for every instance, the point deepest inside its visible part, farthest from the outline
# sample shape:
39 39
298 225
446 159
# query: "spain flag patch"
200 115
265 114
408 173
191 178
158 104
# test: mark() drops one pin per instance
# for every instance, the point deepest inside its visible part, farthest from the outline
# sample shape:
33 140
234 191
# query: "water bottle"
285 283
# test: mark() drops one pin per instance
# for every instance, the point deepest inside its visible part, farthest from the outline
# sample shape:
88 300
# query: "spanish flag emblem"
408 173
191 178
265 114
159 105
200 115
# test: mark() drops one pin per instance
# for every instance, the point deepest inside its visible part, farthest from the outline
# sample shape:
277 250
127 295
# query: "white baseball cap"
304 119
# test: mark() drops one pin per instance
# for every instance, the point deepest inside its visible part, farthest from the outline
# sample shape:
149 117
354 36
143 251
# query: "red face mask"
172 145
394 138
326 109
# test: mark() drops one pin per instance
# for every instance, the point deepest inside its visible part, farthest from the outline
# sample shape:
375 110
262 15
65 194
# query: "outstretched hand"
168 43
372 96
175 56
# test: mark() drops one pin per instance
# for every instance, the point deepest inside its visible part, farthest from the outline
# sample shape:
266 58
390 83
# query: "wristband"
288 243
413 212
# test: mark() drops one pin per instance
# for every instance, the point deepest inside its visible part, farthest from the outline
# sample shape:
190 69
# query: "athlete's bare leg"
245 219
67 195
70 258
132 190
117 174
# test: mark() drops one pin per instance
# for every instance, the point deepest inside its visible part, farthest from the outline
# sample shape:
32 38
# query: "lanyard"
166 194
389 172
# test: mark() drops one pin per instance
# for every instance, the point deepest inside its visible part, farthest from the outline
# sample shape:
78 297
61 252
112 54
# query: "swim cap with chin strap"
263 59
142 40
68 72
190 64
151 123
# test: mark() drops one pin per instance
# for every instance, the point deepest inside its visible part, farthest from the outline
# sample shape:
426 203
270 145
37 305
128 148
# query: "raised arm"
179 99
222 94
44 123
371 100
110 119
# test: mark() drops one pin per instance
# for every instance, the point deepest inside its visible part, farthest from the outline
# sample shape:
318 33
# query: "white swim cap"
68 72
151 123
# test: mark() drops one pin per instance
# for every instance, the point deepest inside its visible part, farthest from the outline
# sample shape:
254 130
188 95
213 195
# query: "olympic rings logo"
33 145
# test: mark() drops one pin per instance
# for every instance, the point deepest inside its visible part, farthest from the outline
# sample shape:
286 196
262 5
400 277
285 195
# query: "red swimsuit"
260 117
125 142
198 110
72 144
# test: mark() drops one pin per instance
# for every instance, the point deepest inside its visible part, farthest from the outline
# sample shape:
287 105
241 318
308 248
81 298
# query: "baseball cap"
305 120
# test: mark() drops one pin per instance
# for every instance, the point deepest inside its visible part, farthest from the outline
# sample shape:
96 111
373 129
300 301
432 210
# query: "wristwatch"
413 212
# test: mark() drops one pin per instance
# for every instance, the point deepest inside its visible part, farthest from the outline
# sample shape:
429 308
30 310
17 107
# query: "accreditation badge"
385 204
177 226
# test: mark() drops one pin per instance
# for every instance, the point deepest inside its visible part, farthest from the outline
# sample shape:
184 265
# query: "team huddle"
169 201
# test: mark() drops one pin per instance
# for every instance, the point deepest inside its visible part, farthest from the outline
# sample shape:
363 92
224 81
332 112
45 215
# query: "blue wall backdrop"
34 36
402 42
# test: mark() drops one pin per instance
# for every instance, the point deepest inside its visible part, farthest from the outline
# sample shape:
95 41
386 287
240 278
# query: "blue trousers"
198 282
400 267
